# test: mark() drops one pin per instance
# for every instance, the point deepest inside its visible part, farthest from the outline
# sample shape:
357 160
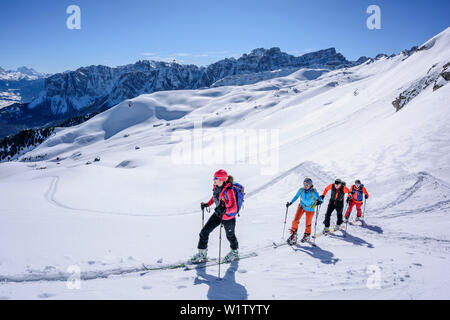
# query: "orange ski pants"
298 216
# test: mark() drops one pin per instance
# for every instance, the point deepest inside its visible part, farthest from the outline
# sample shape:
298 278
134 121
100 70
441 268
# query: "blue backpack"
239 190
360 195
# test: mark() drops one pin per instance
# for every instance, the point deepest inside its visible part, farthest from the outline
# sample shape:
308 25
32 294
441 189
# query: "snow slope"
137 205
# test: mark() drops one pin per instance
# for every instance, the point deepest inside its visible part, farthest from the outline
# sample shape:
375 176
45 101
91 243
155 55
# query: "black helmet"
358 182
338 181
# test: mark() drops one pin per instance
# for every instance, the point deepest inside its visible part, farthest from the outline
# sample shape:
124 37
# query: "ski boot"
292 239
326 231
337 227
200 257
233 255
306 238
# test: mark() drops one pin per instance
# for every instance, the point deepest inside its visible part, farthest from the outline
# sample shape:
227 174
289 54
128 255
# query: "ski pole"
346 220
364 211
285 218
315 225
208 210
220 245
203 217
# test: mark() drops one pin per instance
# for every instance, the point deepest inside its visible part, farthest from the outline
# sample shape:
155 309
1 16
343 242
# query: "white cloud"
182 54
190 58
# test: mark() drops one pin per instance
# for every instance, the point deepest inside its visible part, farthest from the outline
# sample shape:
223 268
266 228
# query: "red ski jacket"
230 204
356 194
337 194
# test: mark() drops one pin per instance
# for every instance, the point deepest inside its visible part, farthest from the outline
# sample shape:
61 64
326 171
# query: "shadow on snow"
326 257
225 289
353 239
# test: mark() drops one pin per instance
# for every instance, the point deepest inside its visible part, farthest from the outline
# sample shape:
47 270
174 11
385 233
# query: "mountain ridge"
94 87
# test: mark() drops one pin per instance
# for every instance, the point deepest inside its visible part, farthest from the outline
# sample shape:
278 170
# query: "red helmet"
221 175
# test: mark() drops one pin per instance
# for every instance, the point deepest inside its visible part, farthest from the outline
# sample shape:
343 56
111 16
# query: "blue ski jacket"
308 198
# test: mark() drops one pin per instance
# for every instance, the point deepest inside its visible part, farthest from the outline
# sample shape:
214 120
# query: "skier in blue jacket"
309 199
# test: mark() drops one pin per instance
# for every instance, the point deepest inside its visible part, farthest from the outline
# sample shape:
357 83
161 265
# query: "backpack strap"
312 195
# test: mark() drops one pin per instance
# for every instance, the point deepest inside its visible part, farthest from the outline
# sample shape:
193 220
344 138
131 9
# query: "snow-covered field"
138 205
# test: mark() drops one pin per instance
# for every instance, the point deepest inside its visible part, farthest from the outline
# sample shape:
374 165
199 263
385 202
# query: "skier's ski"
149 268
164 267
322 234
354 221
214 262
146 269
309 242
277 245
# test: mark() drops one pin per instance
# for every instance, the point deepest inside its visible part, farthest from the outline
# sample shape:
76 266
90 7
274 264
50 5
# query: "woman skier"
309 199
338 191
357 193
226 206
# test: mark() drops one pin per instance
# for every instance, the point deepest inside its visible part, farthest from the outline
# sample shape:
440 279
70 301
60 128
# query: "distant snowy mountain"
93 88
105 86
22 73
20 86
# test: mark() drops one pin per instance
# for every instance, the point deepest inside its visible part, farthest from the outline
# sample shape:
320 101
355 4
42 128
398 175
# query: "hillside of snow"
139 203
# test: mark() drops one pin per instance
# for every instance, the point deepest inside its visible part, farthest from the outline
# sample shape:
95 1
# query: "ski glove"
220 210
322 197
288 204
319 202
348 200
203 205
366 196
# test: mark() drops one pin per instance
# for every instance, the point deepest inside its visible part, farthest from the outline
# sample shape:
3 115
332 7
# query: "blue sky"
117 32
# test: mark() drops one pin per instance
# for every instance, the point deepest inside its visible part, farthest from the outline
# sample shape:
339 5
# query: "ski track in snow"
422 179
50 197
311 169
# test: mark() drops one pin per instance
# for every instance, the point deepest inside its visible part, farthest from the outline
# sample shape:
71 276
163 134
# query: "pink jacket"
230 204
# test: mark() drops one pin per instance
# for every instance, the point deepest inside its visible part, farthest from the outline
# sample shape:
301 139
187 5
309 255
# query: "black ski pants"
339 207
214 222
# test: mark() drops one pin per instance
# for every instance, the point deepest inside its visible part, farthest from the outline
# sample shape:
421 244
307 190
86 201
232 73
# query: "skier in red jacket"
338 191
226 206
355 199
